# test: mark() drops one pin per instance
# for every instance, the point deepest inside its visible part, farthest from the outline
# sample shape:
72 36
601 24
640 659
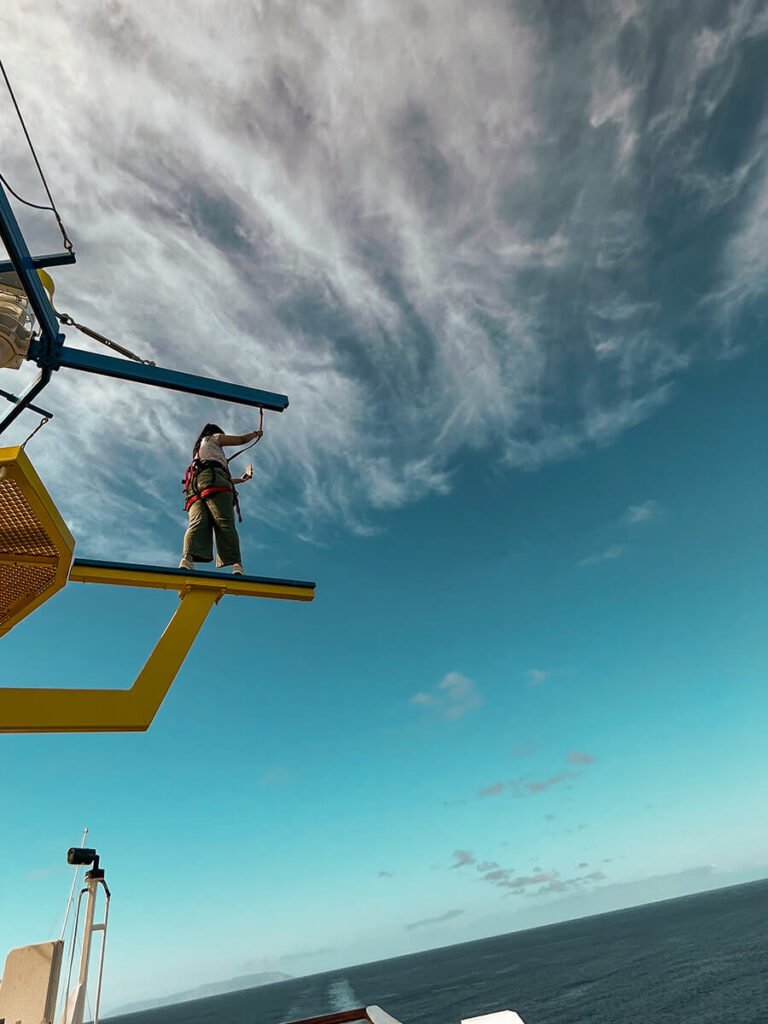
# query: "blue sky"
512 278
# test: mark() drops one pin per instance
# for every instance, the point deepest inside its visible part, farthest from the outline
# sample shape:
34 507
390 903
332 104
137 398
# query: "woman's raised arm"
235 439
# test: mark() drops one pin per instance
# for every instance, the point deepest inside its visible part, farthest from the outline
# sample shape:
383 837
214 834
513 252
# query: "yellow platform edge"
223 585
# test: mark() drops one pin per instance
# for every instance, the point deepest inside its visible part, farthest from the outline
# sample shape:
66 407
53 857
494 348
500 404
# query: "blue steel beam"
24 266
25 399
50 354
54 259
32 408
123 369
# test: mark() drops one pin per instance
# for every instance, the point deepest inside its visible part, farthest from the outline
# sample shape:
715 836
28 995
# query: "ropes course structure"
26 301
36 546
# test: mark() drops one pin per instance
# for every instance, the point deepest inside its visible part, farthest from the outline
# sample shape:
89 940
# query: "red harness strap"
193 494
204 494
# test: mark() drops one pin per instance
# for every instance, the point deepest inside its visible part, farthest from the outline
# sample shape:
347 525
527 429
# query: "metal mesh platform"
35 545
20 530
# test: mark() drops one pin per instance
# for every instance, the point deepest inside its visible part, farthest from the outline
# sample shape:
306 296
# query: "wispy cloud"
495 790
642 513
524 785
306 954
580 757
541 785
539 883
449 915
276 778
452 698
505 878
635 515
461 858
453 220
525 749
607 555
537 676
557 885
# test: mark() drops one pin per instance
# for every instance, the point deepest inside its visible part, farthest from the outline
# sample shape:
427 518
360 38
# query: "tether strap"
39 426
66 239
69 322
249 446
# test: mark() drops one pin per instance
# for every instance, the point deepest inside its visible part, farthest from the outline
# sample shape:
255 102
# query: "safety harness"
194 493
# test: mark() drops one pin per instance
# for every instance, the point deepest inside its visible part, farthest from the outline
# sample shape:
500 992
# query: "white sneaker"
186 563
237 570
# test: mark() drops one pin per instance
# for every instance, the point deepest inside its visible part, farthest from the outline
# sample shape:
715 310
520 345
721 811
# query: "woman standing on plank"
211 500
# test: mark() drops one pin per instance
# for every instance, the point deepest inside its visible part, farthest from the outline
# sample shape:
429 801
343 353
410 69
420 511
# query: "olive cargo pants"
211 517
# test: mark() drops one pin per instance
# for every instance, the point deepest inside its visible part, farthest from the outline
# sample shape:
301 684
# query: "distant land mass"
213 988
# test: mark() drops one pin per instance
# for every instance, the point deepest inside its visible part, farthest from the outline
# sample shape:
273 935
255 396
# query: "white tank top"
211 451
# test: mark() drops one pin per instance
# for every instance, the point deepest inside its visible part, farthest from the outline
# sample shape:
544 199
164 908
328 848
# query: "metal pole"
78 1011
25 399
101 955
55 259
24 265
72 890
32 408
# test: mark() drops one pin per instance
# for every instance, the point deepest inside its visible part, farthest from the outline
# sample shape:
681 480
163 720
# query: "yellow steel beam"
131 576
58 710
14 559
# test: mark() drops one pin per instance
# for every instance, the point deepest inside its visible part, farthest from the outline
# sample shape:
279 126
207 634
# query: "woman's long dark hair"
208 429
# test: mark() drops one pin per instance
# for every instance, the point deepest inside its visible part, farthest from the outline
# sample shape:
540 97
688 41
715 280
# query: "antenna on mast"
72 889
74 1006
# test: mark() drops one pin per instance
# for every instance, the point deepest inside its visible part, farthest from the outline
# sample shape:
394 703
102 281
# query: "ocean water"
700 959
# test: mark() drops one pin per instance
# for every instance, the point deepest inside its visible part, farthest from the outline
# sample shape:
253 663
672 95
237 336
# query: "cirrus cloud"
452 698
388 206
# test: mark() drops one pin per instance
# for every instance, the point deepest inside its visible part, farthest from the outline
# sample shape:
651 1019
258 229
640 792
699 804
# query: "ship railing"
375 1015
372 1014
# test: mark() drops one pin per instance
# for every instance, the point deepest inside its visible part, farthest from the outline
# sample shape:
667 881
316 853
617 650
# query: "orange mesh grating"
20 584
21 532
22 535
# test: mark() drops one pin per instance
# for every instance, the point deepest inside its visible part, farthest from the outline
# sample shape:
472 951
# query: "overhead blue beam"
49 352
54 259
123 369
25 399
24 266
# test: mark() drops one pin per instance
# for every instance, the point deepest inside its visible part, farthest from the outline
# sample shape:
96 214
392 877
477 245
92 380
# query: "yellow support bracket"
36 551
25 709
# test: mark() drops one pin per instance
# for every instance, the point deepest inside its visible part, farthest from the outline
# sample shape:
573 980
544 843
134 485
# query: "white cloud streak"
452 698
642 513
389 212
610 554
